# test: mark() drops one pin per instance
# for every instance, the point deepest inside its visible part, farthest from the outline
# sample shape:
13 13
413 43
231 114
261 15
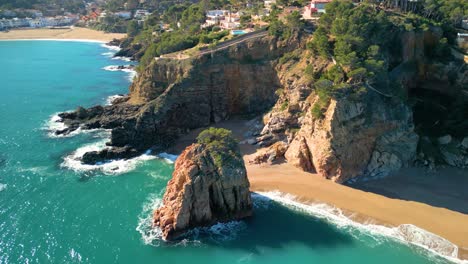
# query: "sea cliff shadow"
276 227
445 187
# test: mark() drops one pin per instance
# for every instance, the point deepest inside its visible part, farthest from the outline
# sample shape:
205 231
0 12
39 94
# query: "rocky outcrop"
202 193
370 136
171 97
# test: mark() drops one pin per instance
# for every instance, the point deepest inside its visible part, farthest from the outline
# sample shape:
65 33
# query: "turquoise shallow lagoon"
53 213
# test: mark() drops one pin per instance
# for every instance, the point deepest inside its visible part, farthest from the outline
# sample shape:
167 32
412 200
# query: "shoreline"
66 34
361 207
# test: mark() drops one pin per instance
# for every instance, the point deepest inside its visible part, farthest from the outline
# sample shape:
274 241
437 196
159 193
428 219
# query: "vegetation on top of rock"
294 24
221 144
361 41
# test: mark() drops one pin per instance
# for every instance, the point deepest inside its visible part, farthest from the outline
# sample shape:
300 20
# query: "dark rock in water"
105 155
70 128
115 42
130 50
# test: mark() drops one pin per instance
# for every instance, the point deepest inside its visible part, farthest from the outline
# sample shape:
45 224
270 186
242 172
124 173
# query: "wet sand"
74 33
358 205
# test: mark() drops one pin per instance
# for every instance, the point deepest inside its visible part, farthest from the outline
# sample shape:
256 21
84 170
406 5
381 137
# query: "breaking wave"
406 233
122 58
131 72
111 98
109 54
55 123
170 158
115 48
2 187
112 167
153 236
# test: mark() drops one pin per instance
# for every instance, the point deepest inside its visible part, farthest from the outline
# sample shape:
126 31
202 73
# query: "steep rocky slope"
359 131
171 97
204 190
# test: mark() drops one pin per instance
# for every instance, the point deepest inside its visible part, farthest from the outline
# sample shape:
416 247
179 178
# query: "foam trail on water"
170 158
153 235
115 48
405 233
112 167
131 72
55 123
122 58
2 187
149 235
111 98
108 54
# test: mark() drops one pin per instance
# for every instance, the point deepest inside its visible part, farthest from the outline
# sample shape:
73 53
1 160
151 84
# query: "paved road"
229 43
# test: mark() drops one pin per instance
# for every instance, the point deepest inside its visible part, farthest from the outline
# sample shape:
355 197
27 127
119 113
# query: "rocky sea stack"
209 185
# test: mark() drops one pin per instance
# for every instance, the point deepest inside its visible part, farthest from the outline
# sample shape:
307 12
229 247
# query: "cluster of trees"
75 6
294 24
186 20
359 34
112 24
221 144
446 11
360 40
357 39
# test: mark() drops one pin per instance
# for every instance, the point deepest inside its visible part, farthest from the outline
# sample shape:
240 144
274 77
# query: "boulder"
204 190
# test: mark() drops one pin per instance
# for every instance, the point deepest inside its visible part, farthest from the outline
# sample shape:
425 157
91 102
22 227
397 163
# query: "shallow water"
55 212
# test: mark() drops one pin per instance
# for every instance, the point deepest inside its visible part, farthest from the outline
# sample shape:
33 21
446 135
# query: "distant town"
101 15
95 13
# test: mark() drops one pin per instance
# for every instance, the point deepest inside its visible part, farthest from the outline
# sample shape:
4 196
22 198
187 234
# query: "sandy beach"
358 205
74 33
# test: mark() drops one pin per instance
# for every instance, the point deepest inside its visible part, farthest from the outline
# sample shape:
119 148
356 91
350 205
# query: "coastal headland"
73 33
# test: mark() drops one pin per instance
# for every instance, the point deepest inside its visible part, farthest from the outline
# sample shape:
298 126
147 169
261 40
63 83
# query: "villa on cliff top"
315 7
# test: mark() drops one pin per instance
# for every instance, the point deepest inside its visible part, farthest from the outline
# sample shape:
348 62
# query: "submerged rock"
209 185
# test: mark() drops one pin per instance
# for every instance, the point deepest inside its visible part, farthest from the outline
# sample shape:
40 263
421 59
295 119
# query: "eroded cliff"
209 185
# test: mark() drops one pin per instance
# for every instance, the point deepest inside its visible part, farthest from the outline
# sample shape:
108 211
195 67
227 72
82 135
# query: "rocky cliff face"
361 133
202 193
171 97
366 134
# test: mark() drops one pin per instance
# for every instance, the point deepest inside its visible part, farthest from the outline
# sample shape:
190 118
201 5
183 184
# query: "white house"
315 7
269 3
213 17
141 13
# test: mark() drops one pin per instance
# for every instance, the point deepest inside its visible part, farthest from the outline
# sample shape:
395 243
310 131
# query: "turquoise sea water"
50 213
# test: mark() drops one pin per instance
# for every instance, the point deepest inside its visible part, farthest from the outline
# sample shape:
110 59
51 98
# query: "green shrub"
284 105
221 145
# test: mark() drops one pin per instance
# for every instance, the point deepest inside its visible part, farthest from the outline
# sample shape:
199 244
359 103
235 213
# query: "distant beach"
74 33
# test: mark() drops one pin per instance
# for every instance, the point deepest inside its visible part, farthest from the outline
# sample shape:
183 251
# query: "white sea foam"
122 58
170 158
113 167
109 54
153 235
2 187
405 233
55 124
111 98
149 234
131 73
115 48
